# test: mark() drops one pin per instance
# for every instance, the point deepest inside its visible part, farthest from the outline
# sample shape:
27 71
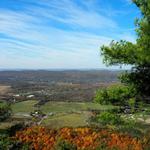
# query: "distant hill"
74 76
60 85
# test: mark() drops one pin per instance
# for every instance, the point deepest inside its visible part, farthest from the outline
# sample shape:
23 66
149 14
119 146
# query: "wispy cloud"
128 1
68 12
55 34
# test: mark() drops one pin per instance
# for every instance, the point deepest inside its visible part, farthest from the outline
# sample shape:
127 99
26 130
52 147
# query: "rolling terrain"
67 85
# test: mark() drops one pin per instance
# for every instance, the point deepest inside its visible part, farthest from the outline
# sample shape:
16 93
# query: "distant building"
30 96
17 95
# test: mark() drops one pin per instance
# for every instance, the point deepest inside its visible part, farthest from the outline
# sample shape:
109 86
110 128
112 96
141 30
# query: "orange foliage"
42 138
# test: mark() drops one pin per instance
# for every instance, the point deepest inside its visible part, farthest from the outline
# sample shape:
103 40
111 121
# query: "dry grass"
4 89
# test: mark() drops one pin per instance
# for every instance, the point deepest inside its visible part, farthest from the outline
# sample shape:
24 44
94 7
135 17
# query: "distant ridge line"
93 69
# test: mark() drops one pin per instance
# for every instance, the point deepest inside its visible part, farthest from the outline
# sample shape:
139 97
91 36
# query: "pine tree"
135 54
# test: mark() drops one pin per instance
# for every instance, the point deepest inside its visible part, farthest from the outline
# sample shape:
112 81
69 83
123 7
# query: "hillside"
67 85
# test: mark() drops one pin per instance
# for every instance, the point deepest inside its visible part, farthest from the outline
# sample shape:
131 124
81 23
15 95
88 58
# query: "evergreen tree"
135 54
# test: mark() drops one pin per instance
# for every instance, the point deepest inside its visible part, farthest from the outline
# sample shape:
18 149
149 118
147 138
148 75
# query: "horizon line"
60 69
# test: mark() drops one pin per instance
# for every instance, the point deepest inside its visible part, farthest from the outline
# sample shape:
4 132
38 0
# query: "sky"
62 34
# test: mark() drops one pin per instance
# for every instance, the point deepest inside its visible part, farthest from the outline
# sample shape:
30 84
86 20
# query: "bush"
6 143
131 103
5 112
13 129
102 97
109 118
117 95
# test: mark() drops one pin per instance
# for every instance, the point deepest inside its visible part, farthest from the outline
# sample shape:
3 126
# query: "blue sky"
52 34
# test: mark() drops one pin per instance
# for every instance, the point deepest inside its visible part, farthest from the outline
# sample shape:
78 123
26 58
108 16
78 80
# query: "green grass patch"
72 107
66 120
72 114
24 106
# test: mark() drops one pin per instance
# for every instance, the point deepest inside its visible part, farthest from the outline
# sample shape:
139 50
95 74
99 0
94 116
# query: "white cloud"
28 39
66 11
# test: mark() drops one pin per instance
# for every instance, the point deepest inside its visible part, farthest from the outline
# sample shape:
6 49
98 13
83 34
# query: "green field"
24 106
57 107
61 120
72 107
63 113
57 114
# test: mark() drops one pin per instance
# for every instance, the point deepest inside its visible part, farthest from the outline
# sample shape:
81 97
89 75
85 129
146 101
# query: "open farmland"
58 114
24 107
64 96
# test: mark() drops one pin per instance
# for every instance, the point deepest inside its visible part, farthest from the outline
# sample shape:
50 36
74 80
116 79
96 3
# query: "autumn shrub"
83 138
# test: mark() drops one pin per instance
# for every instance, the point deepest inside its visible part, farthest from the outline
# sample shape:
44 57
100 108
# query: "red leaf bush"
41 138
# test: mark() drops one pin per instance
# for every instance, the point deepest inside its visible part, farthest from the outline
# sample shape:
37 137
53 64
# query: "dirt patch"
4 89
